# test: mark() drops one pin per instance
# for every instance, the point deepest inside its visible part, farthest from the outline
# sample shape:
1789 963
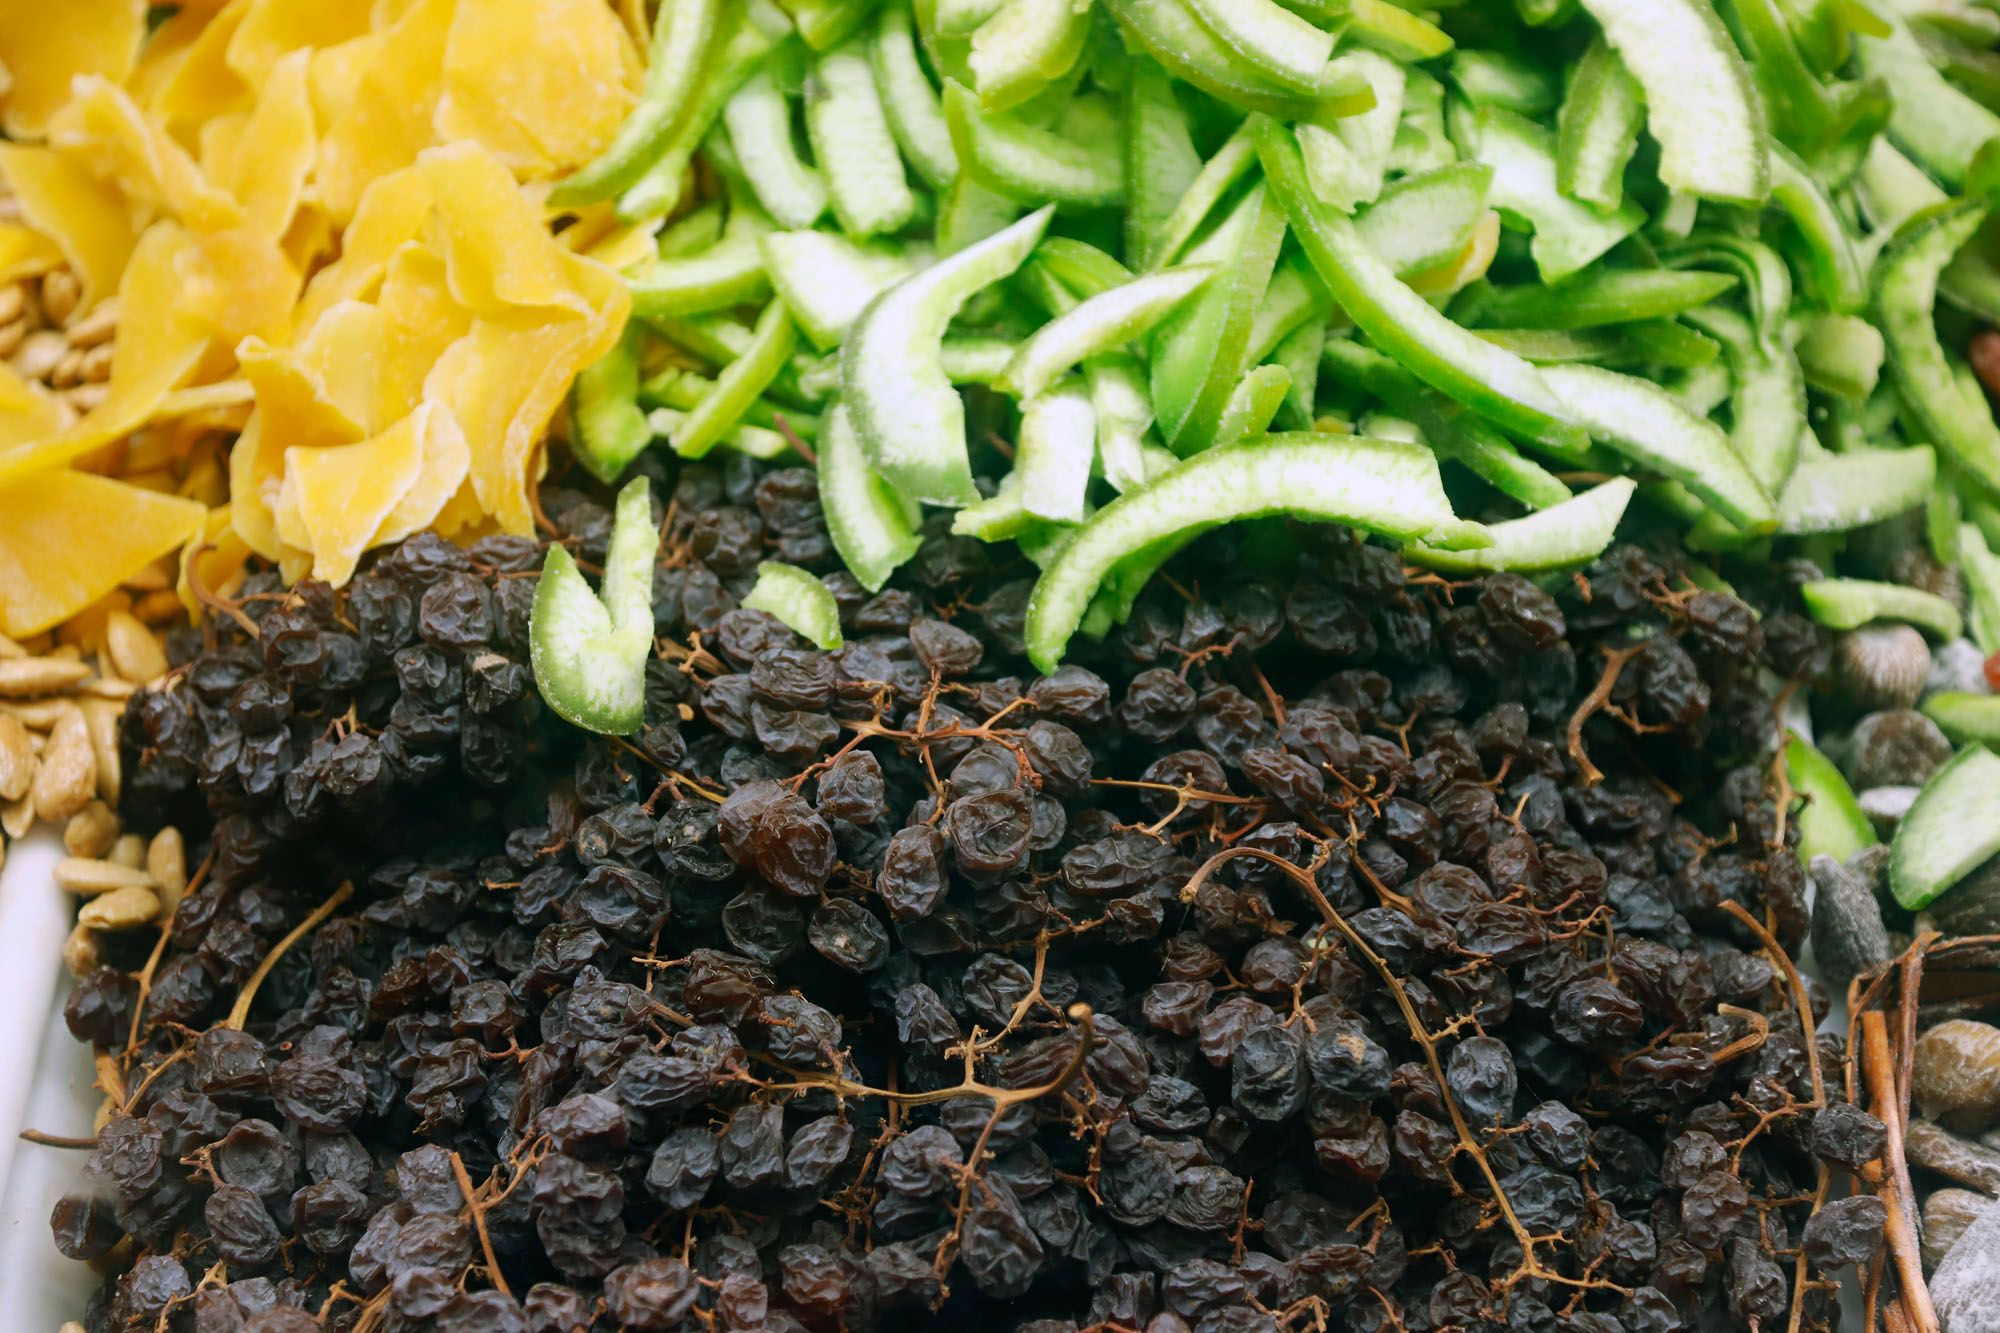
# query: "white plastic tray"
45 1084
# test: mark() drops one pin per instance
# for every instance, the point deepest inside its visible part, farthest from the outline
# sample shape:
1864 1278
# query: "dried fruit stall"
1171 665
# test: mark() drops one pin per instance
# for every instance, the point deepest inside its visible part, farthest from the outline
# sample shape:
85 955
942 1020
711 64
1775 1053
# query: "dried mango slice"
392 212
270 31
504 381
271 158
26 411
497 253
543 84
311 238
105 531
445 460
388 120
620 246
25 252
321 391
238 284
81 214
461 515
157 348
182 77
256 471
104 124
344 492
44 46
419 320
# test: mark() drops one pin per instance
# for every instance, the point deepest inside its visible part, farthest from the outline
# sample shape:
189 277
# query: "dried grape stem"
478 1211
240 1011
1614 662
1895 1185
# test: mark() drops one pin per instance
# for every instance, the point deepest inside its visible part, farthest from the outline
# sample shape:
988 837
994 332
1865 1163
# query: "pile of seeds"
1334 946
61 697
50 341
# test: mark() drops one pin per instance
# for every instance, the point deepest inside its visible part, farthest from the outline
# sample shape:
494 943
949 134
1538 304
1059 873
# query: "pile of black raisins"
1271 965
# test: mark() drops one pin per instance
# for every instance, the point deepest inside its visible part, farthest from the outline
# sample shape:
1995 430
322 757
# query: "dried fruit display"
1338 945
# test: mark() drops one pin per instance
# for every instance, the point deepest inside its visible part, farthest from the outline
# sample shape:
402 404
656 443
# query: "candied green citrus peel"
589 649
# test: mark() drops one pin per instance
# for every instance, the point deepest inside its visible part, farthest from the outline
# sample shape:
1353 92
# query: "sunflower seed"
36 714
91 831
17 817
129 851
17 758
88 876
166 862
135 654
61 290
81 952
101 717
27 677
67 774
120 909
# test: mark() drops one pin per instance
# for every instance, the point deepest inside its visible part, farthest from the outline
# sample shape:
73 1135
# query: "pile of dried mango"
277 277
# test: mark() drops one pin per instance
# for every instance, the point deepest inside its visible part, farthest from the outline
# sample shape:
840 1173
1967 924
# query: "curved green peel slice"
800 600
1570 533
1851 603
1831 822
893 381
1953 828
1377 485
589 650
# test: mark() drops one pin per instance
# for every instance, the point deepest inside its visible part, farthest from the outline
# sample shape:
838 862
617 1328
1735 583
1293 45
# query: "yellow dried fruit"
85 217
45 46
104 528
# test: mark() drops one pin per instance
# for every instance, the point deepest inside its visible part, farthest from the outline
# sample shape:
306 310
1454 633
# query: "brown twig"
1614 662
478 1212
1915 1303
240 1011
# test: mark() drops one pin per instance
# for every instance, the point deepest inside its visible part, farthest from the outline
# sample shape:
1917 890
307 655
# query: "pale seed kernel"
91 831
13 302
38 354
128 851
88 397
61 290
36 714
135 653
68 369
101 717
67 774
120 909
96 327
166 862
28 677
17 817
81 952
17 758
88 876
95 365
